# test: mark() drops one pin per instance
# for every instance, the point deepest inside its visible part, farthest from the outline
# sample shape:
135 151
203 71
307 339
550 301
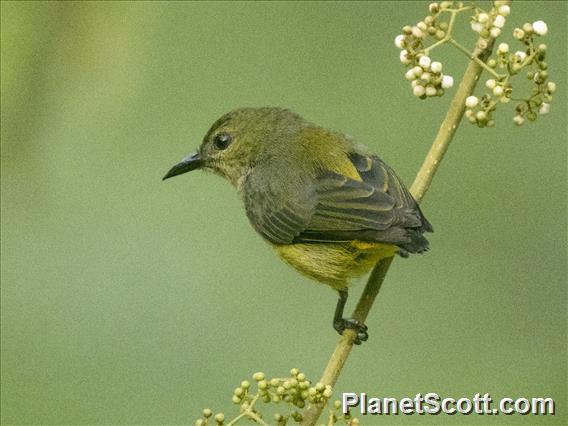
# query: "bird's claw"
353 324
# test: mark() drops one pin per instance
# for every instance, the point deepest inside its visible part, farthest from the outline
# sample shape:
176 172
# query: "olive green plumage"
329 207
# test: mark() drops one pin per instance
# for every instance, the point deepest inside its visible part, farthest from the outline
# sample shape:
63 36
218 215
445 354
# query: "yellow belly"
334 264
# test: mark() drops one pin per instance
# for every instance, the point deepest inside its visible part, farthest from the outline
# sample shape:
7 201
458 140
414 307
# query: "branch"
419 187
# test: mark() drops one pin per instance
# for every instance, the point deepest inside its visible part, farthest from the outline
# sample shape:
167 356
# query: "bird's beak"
189 163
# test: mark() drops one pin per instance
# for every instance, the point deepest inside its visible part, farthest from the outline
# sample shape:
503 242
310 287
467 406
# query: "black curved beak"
189 163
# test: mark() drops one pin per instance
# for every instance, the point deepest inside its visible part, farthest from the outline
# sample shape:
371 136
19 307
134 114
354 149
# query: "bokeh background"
128 300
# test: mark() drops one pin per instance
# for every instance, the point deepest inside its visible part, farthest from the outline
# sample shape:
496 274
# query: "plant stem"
419 188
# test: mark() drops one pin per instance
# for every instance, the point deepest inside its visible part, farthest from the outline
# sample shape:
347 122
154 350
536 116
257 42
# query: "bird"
329 207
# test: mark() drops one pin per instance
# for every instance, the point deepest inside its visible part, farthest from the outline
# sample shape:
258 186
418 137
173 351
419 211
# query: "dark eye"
222 140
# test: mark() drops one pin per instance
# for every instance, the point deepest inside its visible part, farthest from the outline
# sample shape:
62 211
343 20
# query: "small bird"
327 206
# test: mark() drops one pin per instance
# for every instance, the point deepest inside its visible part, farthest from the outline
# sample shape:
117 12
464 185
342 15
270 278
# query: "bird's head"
239 140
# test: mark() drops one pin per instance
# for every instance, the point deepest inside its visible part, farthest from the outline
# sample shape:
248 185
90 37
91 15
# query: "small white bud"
499 21
410 74
426 77
481 116
404 57
436 67
418 91
551 86
490 84
495 32
544 108
482 18
399 41
422 26
417 32
520 55
447 81
504 10
471 101
477 27
518 120
417 71
498 90
518 33
424 62
433 7
540 27
431 90
503 48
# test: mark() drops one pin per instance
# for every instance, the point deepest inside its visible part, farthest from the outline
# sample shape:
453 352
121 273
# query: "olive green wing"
335 208
376 209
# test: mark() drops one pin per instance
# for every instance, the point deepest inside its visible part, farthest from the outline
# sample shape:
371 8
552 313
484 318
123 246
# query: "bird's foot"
342 324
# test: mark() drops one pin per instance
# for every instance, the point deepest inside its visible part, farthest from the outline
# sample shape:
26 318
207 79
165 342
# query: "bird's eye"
222 140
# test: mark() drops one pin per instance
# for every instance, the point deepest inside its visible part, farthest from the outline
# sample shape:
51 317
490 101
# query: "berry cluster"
424 74
295 391
490 24
506 64
426 77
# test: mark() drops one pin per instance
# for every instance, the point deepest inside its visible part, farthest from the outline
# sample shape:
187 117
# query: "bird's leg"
340 323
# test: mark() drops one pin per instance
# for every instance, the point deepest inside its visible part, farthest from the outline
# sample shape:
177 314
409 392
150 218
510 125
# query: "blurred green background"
127 300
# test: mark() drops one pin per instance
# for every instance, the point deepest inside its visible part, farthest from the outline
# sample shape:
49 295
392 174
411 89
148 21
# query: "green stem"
476 59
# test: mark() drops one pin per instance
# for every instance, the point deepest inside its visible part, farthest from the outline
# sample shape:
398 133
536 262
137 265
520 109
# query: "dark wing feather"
334 208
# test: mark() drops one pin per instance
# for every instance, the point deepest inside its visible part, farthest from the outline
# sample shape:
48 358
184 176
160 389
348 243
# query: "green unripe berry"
492 63
280 390
262 384
301 377
297 416
327 393
294 372
245 384
199 422
236 399
258 376
274 382
320 386
207 413
220 418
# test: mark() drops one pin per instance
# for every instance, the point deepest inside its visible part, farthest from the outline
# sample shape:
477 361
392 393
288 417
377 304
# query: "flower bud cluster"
490 24
424 74
295 391
426 78
480 111
537 104
530 58
219 418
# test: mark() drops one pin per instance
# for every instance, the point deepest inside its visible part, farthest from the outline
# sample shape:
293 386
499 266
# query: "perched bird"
327 206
